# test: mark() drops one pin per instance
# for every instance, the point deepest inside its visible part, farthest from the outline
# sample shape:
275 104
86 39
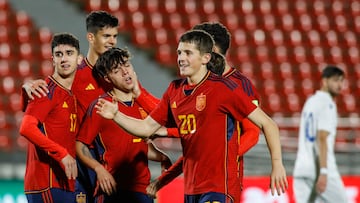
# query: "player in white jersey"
316 176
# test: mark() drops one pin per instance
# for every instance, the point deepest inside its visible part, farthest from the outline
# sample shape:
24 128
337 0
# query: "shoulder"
222 81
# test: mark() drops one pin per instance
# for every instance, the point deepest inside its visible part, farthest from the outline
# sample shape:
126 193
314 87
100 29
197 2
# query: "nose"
113 40
124 70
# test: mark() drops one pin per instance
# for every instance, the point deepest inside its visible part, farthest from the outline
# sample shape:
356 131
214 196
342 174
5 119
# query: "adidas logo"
90 87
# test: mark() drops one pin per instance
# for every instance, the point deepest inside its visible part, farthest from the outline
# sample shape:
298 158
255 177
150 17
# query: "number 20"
188 124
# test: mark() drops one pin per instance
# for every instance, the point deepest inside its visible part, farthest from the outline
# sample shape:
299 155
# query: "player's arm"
155 154
33 88
174 171
138 127
271 132
321 138
144 98
249 136
105 180
29 130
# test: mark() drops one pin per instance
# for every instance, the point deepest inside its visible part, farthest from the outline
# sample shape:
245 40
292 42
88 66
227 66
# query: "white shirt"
319 113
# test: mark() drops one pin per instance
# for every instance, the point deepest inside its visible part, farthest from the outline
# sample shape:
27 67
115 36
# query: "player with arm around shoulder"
190 101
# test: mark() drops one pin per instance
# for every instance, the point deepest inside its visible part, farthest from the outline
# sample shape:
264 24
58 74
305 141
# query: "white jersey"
319 113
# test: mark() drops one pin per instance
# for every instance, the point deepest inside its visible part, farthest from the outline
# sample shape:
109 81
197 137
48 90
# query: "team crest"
200 102
81 198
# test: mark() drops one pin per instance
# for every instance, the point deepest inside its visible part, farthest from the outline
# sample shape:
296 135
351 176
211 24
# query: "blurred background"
280 45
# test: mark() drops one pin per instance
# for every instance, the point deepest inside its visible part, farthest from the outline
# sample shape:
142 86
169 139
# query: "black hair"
216 63
97 20
331 70
202 40
219 32
110 60
65 39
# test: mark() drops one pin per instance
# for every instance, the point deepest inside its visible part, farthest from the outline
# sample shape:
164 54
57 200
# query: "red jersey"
57 117
87 87
242 140
125 155
204 115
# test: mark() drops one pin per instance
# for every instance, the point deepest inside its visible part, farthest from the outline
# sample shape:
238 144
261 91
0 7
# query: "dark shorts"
208 197
53 195
124 197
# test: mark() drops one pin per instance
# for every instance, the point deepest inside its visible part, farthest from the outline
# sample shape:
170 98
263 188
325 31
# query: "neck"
92 57
198 76
121 95
227 68
65 82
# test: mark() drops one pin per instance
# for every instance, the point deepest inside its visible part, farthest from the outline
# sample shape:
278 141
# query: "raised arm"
271 131
138 127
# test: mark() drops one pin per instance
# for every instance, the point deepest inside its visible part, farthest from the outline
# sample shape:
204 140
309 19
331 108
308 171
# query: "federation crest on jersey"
200 102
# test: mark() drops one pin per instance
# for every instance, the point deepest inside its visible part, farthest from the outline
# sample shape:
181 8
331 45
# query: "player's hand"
70 167
278 180
152 188
107 109
321 183
106 180
35 87
136 89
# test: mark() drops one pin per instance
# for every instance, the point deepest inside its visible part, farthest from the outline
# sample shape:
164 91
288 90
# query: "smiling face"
103 40
191 62
122 77
65 60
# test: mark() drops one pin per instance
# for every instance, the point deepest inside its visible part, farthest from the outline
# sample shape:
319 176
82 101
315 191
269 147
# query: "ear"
106 78
80 58
206 58
90 37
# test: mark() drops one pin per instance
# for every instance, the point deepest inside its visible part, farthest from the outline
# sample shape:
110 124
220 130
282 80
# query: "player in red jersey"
102 31
246 134
50 124
122 172
203 106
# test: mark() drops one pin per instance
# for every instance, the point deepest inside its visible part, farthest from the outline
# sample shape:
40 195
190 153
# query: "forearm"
30 130
272 136
174 171
83 153
137 127
322 145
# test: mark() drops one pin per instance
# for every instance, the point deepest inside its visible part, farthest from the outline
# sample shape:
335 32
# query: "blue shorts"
53 195
124 196
209 197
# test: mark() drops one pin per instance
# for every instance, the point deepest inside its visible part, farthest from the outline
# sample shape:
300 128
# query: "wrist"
115 114
323 171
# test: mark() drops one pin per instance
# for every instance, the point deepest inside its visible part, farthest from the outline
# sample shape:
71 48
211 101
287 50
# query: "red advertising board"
256 190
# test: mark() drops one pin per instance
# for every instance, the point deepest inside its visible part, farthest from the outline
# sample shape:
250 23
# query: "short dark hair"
110 60
219 32
64 38
331 70
202 40
97 20
216 63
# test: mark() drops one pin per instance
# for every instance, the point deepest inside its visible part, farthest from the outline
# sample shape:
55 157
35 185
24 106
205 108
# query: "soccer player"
246 134
122 172
316 176
102 31
50 124
204 107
